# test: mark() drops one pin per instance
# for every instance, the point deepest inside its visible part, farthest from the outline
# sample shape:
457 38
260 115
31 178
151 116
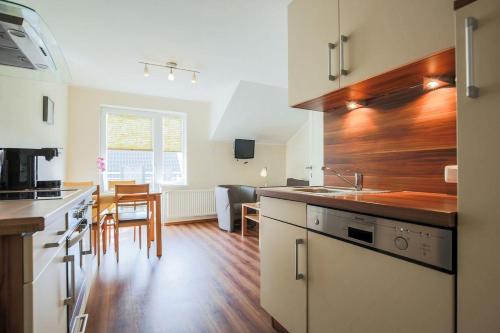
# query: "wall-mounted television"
244 149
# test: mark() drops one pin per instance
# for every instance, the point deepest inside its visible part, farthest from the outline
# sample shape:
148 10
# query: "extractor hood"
27 43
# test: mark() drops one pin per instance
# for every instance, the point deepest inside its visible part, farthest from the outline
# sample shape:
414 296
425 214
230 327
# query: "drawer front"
44 308
38 252
293 212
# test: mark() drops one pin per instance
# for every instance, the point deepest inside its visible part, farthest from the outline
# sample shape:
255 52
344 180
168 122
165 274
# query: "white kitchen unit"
356 284
353 289
312 57
385 34
355 273
283 277
333 44
478 121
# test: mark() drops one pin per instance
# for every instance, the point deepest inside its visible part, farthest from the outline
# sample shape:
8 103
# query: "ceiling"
227 40
259 112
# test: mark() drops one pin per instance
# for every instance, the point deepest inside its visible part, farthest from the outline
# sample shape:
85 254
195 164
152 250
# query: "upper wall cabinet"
312 30
370 38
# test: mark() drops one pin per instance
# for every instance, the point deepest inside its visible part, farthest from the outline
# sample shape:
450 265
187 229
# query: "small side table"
245 215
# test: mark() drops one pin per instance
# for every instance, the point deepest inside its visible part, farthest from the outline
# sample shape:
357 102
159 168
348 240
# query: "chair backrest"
134 194
113 183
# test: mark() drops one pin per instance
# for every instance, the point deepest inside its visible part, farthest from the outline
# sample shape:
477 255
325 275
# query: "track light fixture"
172 66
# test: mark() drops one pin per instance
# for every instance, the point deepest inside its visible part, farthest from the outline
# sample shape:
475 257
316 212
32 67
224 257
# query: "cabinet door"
312 25
385 34
282 294
44 298
353 289
478 127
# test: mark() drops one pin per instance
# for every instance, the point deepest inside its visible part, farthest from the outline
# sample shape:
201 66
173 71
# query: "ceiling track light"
172 66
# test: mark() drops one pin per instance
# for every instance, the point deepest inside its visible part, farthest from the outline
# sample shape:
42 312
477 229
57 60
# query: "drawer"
293 212
36 254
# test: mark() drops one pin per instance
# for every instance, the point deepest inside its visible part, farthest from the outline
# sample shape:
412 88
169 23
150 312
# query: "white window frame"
157 117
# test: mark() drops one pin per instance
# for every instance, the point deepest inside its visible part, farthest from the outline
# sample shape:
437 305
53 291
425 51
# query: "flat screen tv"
243 149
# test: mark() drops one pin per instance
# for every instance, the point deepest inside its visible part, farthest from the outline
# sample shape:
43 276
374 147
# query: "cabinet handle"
64 233
83 323
298 276
471 90
331 46
343 71
71 300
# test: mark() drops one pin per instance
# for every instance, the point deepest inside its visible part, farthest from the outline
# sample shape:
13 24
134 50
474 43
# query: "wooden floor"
206 281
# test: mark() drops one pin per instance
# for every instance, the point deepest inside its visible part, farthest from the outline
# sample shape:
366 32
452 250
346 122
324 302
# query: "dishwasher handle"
298 276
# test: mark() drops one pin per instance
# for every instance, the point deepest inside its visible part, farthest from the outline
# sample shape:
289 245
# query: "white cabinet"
379 35
478 127
283 276
293 212
386 34
353 289
312 26
44 297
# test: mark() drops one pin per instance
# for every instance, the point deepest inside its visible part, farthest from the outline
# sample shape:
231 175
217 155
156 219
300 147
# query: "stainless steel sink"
335 191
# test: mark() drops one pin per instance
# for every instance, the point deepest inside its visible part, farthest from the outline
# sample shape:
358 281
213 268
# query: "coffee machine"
19 168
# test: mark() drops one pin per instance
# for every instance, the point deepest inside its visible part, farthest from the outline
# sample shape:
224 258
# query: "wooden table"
245 215
108 200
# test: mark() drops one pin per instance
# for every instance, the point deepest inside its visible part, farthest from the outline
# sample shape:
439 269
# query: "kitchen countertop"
27 216
426 208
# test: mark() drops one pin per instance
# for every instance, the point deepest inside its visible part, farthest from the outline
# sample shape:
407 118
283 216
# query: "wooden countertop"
426 208
26 216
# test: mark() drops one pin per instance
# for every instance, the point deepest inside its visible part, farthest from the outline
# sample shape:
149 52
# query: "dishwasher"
372 274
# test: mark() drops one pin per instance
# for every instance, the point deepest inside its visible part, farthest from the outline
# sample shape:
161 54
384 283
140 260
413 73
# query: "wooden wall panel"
401 141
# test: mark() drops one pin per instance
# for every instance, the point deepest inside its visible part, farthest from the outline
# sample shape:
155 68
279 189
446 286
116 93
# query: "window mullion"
157 149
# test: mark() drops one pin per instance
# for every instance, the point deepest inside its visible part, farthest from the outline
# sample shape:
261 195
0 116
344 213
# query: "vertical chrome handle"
71 299
343 71
298 276
470 25
331 46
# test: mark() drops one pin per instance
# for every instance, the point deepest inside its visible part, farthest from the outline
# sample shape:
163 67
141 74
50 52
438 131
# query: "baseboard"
199 220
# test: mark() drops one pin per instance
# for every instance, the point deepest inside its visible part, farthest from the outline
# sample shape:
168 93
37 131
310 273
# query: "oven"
79 264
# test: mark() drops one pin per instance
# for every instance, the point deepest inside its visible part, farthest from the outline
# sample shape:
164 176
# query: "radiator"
188 204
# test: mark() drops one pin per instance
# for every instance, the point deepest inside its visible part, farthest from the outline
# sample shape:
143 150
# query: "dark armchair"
228 200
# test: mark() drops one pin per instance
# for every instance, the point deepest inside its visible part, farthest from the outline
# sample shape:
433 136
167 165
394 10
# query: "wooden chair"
96 216
108 220
126 197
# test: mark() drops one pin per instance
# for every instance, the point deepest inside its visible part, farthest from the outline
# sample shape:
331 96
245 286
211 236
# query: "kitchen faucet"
358 178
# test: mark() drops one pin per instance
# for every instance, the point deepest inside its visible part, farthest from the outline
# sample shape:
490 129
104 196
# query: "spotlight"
352 105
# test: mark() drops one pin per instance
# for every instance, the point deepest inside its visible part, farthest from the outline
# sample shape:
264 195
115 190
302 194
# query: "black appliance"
244 149
19 168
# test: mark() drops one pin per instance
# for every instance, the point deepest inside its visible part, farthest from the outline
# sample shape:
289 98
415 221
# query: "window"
143 146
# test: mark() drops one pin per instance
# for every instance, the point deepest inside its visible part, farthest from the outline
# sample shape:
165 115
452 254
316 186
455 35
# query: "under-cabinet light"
352 105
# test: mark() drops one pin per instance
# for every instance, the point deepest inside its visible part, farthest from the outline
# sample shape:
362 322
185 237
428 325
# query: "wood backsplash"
401 141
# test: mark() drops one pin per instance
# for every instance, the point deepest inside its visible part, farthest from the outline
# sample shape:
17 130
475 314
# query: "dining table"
107 203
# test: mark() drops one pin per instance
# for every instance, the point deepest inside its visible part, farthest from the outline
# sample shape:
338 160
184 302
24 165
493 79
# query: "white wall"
208 162
21 124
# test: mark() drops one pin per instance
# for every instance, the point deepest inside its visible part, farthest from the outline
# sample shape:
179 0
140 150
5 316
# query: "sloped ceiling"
259 112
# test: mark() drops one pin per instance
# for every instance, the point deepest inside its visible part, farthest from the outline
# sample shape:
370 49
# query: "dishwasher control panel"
425 244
